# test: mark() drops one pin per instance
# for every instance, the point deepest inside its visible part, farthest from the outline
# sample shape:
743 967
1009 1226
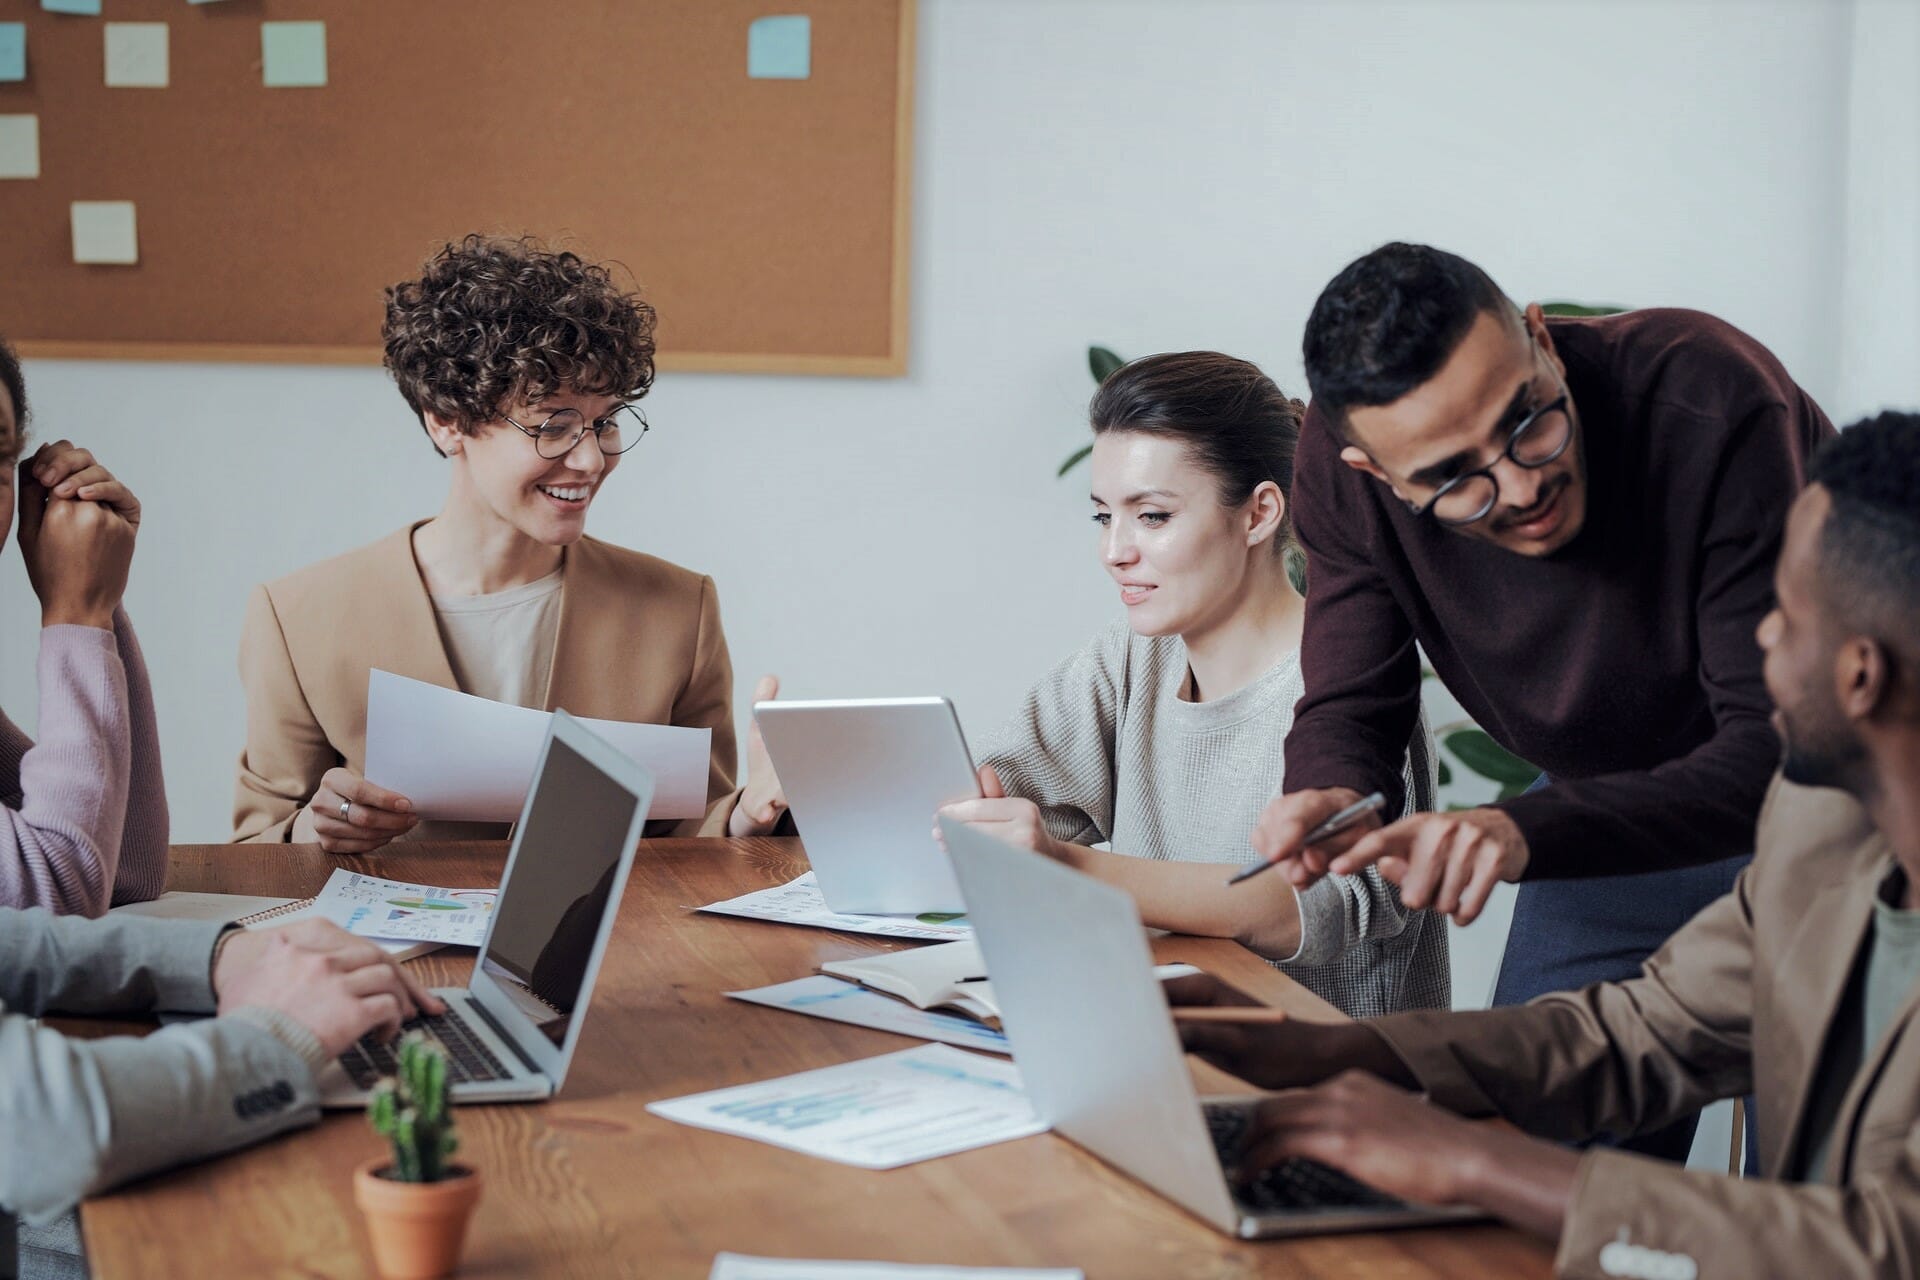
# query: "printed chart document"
798 901
877 1113
824 997
406 920
467 759
739 1266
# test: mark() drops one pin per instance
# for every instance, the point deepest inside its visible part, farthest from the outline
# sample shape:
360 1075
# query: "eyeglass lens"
618 431
1538 442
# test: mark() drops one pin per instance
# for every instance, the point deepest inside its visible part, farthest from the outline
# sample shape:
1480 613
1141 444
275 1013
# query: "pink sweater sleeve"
143 844
60 846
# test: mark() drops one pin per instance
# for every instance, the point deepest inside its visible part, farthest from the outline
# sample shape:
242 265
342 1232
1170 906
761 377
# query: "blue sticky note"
13 51
780 47
90 7
293 55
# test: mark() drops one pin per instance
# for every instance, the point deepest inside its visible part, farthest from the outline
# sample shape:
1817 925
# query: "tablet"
864 778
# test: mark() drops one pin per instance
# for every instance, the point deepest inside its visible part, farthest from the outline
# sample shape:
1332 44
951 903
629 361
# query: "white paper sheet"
877 1113
739 1266
823 997
798 901
398 911
468 759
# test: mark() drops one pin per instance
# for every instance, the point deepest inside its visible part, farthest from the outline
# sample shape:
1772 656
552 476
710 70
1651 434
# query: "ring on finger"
346 811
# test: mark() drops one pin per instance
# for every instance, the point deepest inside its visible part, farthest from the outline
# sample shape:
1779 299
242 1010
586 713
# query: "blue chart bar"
802 1111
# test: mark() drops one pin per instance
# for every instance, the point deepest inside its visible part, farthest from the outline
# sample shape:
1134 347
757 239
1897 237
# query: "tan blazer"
1741 1000
639 639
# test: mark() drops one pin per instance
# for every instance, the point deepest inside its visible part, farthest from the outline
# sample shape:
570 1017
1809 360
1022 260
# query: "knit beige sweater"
1111 754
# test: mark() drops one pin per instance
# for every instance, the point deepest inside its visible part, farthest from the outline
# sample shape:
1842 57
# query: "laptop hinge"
533 1068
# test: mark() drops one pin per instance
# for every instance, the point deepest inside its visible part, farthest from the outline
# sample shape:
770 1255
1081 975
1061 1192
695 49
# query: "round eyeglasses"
618 432
1538 439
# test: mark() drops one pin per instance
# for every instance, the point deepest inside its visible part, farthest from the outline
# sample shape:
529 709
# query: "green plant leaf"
1446 773
1102 363
1581 308
1073 460
1480 753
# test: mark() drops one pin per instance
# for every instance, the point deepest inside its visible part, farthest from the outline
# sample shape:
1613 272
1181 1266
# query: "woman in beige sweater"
525 367
1162 736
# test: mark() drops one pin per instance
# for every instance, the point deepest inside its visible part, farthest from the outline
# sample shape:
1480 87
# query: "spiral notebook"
252 911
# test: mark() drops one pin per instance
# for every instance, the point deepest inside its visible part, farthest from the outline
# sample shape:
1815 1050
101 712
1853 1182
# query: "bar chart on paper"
877 1113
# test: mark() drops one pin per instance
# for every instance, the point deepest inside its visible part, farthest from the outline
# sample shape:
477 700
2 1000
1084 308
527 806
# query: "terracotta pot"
417 1227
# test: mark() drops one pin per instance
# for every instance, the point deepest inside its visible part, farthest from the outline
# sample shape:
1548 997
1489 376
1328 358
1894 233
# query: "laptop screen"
550 909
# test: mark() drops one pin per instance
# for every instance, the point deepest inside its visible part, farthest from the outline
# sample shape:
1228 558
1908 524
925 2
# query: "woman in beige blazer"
524 366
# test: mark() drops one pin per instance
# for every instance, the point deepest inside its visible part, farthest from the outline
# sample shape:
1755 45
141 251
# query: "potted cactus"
415 1203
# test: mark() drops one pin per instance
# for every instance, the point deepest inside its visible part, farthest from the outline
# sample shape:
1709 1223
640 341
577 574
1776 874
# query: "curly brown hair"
492 321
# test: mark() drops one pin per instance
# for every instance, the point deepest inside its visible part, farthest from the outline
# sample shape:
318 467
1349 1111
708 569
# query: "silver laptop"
864 778
511 1031
1103 1064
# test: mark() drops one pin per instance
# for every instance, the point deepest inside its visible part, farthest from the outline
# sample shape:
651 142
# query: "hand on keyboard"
336 985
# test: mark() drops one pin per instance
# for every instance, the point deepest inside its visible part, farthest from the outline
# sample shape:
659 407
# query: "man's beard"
1812 762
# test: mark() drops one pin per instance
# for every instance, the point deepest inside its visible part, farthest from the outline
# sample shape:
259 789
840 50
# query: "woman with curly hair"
524 367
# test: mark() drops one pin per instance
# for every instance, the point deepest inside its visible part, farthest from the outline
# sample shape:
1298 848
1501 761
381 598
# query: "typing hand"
1447 861
336 985
1388 1138
348 814
1008 818
1284 824
1268 1048
1397 1142
762 799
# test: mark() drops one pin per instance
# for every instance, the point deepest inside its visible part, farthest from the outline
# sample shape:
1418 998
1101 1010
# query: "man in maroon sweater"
1577 521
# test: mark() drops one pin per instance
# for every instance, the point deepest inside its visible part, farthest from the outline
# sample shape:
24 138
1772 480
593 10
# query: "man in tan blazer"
1800 986
525 367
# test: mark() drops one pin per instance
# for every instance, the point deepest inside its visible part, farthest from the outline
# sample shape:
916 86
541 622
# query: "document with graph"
877 1113
824 997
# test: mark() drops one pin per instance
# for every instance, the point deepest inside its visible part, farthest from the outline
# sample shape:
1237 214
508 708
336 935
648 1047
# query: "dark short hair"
15 384
1239 426
1388 321
491 321
1870 544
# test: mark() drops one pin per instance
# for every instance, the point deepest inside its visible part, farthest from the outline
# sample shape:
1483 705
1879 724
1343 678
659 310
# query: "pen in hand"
1333 826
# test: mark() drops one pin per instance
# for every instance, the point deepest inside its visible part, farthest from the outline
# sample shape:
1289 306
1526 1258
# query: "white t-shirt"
501 645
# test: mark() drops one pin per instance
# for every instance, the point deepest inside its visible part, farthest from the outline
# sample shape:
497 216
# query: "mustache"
1546 499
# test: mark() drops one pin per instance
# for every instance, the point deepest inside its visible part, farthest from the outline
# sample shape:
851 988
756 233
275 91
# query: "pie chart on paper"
428 904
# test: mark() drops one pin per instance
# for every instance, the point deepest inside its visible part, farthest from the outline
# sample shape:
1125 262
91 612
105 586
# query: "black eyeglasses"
618 432
1538 439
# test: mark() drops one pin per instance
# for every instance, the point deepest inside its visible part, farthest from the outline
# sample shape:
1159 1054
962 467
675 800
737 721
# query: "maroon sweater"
1625 664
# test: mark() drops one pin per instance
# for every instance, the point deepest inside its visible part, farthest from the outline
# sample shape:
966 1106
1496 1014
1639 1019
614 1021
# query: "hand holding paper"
466 759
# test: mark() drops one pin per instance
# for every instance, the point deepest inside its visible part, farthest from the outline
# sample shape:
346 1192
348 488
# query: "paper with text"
798 901
878 1113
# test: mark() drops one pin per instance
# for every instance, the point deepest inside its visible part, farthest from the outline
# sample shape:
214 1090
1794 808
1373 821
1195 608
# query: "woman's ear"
444 432
1266 513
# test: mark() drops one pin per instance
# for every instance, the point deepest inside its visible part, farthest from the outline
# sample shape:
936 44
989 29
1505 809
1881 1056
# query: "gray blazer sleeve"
83 1115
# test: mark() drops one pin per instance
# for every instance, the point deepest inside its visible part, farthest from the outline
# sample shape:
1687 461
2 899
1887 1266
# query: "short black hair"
16 386
1870 544
1388 321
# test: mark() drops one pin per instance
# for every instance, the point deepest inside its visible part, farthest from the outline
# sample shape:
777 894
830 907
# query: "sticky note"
293 55
103 231
13 51
780 47
89 7
19 146
136 55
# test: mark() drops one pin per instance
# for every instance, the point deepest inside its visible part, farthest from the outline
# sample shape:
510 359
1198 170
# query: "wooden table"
591 1185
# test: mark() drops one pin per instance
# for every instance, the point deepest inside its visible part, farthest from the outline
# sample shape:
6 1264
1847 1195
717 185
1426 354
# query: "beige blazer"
639 639
1741 1000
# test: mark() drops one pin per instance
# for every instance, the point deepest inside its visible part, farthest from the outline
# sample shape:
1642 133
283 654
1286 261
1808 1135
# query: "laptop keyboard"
1292 1184
468 1058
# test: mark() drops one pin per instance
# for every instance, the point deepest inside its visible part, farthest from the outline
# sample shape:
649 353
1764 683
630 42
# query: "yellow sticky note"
104 231
19 146
136 55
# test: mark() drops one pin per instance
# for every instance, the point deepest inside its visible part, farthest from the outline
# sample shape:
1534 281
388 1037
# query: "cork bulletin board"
765 218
